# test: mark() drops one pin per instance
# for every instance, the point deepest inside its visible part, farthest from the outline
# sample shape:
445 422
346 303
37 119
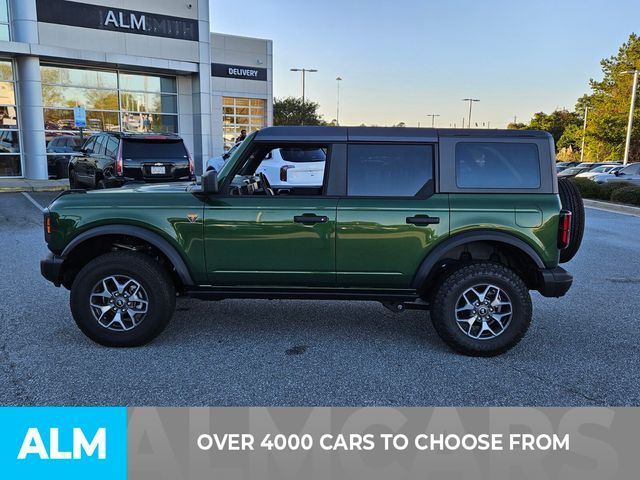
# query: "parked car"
111 159
564 165
602 177
596 171
629 173
60 150
572 172
216 163
378 227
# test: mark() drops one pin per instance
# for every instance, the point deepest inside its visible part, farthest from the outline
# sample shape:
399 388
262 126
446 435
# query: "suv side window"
100 144
375 170
497 165
112 147
90 144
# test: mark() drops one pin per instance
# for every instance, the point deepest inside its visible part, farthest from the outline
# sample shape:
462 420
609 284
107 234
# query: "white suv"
294 167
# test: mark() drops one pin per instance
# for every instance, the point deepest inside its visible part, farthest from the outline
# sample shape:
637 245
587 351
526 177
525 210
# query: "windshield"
601 169
235 154
572 170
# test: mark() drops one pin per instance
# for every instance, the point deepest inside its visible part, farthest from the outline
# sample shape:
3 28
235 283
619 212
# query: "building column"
31 118
24 22
201 91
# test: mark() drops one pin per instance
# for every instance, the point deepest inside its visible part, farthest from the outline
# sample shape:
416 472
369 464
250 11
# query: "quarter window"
390 170
497 165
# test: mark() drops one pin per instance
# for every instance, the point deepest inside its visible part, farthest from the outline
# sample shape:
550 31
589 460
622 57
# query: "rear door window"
100 144
497 165
389 170
153 149
112 147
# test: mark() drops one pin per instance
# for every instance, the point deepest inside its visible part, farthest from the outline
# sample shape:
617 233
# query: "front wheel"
122 299
481 309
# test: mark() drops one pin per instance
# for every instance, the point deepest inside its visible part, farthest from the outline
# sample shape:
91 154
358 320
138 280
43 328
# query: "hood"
171 187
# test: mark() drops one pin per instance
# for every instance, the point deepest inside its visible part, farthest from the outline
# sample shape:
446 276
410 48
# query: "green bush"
607 189
588 188
630 195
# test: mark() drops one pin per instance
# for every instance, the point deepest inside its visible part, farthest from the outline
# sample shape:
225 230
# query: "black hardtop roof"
337 134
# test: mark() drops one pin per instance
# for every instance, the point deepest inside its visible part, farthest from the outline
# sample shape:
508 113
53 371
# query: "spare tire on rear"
572 200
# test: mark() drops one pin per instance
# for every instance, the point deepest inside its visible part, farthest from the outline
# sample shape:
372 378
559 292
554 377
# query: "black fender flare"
467 237
143 234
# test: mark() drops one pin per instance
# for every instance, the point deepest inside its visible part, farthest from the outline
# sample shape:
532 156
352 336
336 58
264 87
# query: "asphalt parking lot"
582 349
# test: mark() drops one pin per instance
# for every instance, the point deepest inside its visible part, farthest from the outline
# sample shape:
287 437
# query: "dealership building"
124 65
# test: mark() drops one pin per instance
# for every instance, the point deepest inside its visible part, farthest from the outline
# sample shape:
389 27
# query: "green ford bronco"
462 223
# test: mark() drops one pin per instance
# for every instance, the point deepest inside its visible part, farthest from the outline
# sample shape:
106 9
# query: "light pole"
470 100
433 117
584 132
338 80
304 72
631 108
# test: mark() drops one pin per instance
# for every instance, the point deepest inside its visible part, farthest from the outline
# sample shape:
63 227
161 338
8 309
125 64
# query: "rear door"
391 215
82 161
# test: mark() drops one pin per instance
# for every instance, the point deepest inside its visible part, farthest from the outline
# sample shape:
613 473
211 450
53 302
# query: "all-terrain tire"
572 200
157 287
449 293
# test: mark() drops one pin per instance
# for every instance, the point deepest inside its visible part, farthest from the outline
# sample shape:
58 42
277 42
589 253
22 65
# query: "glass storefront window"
241 114
146 83
78 77
4 20
149 102
149 122
89 98
114 101
10 162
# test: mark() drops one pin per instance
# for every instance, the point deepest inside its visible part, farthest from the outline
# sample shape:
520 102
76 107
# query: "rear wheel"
572 200
481 309
122 299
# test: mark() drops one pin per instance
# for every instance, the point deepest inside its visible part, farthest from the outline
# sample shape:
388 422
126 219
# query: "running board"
221 293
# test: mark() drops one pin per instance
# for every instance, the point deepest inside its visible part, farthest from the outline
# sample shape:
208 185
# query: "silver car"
630 174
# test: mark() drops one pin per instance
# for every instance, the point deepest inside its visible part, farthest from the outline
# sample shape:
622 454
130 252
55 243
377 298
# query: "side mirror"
617 173
226 155
210 182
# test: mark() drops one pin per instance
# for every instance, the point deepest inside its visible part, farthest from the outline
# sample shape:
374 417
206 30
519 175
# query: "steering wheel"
266 186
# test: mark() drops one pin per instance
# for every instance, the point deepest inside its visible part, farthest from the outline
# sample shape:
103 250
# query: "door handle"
423 220
310 218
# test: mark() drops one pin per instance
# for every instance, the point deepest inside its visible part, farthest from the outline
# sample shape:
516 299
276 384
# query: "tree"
555 123
517 126
291 111
609 106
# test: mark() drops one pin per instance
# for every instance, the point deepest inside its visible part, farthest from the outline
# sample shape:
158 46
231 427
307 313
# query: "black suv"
111 159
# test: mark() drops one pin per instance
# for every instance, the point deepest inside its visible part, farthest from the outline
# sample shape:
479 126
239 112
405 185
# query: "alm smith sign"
238 71
75 14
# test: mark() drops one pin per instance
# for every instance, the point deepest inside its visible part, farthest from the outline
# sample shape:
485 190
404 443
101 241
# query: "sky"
401 60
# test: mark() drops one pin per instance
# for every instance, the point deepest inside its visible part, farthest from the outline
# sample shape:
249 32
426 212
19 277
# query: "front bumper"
555 282
50 267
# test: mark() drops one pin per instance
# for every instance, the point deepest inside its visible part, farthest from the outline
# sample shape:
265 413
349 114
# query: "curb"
23 186
612 207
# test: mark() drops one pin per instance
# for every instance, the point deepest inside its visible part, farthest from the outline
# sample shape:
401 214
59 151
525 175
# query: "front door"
258 235
390 217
